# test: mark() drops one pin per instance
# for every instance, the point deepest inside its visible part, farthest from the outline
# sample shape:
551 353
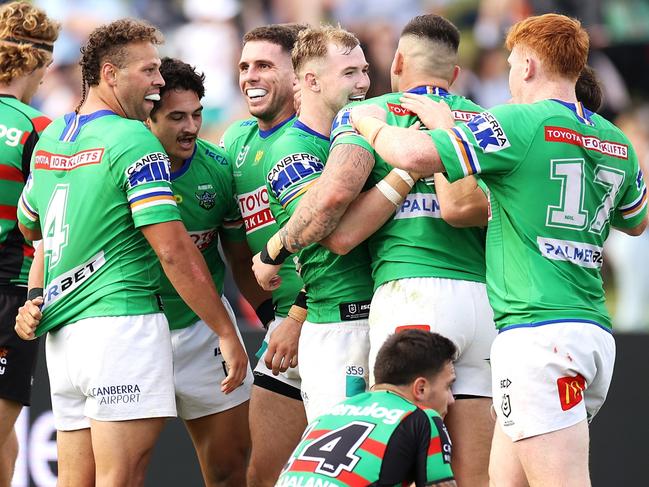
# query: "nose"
159 80
364 82
451 399
251 74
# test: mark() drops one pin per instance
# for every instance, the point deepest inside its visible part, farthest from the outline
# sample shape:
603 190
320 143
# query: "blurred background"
208 35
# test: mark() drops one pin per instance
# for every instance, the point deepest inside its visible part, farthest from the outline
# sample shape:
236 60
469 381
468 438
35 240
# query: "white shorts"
458 310
111 368
550 377
333 363
199 370
286 383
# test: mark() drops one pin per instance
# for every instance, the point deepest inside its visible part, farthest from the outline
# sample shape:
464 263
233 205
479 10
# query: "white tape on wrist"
405 176
389 192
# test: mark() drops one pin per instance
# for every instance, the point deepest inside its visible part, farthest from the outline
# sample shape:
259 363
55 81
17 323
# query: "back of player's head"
108 43
179 75
432 41
313 43
588 89
410 354
284 35
27 38
560 42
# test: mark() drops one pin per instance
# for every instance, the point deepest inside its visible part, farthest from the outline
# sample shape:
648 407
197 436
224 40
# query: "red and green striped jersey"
374 438
20 128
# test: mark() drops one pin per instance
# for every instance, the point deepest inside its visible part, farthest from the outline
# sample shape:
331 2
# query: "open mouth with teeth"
186 143
360 97
153 97
256 93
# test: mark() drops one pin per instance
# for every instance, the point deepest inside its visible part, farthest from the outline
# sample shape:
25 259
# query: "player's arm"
370 211
635 231
411 150
462 203
282 351
29 315
185 267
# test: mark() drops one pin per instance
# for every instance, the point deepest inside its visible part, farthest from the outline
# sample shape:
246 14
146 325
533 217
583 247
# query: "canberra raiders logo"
206 199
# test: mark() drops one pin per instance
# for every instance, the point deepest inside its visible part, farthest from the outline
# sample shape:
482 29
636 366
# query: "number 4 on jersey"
334 451
55 230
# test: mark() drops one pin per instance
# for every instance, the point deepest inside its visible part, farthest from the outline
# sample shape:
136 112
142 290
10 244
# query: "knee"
261 475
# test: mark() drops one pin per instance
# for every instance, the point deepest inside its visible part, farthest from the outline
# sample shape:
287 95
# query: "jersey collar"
74 123
582 113
429 90
267 133
186 163
309 130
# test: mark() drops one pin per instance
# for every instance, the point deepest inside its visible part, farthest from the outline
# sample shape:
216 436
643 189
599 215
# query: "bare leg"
276 426
222 443
471 427
123 450
76 462
505 469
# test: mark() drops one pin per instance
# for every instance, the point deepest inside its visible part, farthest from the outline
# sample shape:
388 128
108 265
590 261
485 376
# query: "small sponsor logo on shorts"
571 391
354 311
4 353
505 383
506 405
116 394
401 328
389 416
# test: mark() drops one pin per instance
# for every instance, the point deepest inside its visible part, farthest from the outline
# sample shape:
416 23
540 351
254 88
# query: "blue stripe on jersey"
309 130
185 167
74 123
467 150
429 90
582 113
267 133
149 195
552 322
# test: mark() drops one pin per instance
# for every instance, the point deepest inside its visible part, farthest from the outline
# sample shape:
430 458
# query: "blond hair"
27 35
313 43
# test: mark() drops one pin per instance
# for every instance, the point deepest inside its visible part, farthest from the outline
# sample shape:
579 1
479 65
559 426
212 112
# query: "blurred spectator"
629 256
488 85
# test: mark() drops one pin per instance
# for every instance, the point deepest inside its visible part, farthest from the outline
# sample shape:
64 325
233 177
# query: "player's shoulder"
20 115
238 129
460 103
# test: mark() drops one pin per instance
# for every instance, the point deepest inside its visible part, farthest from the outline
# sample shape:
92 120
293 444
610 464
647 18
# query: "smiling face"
138 83
343 77
176 123
266 79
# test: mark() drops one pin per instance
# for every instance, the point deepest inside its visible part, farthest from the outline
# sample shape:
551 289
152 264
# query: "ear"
456 73
397 63
531 68
419 388
109 74
312 82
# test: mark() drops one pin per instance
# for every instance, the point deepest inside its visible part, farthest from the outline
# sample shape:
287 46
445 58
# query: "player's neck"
398 390
316 117
98 100
562 90
17 88
287 112
176 163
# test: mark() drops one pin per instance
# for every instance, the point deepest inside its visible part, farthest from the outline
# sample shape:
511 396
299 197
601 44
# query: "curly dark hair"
179 76
21 23
108 43
284 35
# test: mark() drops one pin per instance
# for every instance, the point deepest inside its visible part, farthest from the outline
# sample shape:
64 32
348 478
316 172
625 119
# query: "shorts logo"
401 328
488 133
117 394
505 383
206 200
506 406
571 391
241 158
4 352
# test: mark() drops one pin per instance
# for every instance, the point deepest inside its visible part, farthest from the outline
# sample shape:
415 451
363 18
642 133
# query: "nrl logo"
206 200
241 158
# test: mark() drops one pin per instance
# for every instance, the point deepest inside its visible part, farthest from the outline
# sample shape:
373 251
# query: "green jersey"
558 176
19 131
339 287
416 242
95 180
374 438
248 147
204 192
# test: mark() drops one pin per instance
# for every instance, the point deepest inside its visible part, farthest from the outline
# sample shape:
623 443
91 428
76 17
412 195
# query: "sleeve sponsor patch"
488 132
289 177
149 168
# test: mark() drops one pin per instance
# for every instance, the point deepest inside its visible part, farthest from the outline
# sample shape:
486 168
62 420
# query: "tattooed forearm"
321 208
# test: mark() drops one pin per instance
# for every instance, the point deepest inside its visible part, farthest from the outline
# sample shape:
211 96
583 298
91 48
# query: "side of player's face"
344 77
438 395
35 79
177 123
516 72
139 78
266 79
